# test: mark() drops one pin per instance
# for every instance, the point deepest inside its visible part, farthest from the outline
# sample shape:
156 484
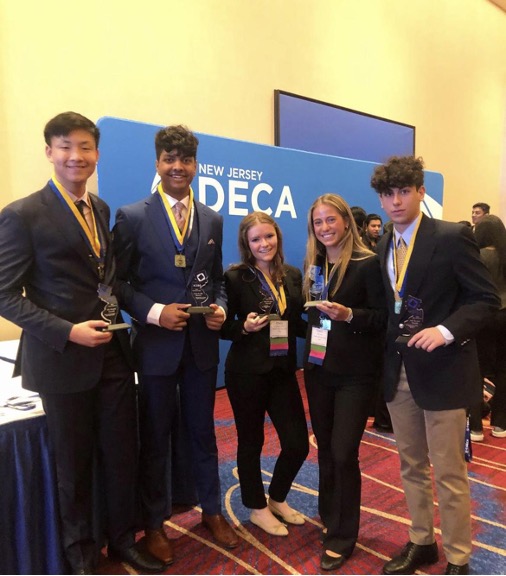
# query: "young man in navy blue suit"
172 285
57 279
439 295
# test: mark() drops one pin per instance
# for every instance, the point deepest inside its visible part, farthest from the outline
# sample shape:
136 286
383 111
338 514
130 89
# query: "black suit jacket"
44 254
250 353
355 350
446 273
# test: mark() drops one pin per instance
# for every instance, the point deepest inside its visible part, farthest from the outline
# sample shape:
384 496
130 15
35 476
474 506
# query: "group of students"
410 311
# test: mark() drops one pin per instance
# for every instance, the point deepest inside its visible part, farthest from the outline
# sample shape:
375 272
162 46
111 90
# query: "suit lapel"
202 226
65 223
383 252
425 244
156 214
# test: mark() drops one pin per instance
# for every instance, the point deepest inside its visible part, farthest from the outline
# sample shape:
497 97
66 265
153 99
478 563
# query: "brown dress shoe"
221 530
158 545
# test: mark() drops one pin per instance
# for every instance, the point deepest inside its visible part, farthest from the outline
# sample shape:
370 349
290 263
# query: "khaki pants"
433 437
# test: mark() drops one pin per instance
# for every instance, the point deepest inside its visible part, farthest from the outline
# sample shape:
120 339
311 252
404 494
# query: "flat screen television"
314 126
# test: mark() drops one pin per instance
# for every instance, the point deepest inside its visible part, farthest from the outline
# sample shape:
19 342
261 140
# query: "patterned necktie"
178 209
400 255
80 204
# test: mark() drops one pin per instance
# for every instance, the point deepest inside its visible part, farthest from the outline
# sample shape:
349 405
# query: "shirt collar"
173 201
408 233
85 197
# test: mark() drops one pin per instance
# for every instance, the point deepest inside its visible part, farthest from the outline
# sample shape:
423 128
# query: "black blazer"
446 273
250 353
355 349
43 252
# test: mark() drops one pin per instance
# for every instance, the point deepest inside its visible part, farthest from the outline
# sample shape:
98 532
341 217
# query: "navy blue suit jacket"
455 288
44 253
147 275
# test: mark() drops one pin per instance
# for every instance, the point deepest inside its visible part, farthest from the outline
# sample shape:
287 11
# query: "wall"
213 64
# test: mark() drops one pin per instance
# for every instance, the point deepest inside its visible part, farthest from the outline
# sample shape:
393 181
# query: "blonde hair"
351 244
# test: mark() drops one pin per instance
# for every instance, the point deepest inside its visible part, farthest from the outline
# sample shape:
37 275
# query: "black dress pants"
339 409
83 425
252 396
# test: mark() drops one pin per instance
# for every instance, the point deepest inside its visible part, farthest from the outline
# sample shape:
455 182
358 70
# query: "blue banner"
236 177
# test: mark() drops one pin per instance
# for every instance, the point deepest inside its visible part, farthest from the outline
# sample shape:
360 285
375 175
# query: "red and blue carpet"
384 520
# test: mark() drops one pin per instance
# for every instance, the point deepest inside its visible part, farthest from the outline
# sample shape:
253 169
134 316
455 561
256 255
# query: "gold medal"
180 261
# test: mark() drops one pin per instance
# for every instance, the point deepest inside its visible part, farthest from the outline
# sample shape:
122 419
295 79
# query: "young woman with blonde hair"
342 361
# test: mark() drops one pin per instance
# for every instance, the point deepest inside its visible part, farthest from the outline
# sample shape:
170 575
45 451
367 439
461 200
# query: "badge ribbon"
400 275
179 236
92 238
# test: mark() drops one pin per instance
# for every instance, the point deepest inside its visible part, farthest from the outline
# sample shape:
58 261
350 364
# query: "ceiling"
500 3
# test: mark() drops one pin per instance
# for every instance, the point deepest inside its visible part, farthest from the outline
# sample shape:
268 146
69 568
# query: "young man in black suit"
439 295
57 274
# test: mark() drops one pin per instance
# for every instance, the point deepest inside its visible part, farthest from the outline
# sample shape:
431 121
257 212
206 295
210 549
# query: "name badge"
278 331
318 347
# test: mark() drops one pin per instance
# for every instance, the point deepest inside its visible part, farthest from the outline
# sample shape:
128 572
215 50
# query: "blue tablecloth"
30 542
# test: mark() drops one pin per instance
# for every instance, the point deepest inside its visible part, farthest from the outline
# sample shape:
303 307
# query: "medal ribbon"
91 235
400 277
328 278
279 295
178 235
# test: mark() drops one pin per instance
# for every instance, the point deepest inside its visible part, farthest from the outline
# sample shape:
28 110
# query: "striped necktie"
178 210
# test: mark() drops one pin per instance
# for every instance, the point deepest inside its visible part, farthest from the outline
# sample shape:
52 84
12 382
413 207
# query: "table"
30 541
29 525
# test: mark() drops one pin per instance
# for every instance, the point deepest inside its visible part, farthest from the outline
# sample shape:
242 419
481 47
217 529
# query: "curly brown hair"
398 172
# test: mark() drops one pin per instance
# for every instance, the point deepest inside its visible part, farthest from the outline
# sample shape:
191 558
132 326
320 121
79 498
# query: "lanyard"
278 295
328 278
400 279
179 236
91 236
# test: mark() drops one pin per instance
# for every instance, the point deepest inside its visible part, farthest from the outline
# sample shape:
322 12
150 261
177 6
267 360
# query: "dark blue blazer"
43 252
455 288
147 275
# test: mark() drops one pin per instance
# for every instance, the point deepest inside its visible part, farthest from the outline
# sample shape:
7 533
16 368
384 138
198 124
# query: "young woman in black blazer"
263 321
344 347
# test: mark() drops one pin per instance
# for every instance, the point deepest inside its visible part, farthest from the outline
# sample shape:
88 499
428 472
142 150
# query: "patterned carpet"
384 519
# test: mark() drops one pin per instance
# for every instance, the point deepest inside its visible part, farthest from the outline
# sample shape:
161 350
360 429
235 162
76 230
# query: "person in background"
57 282
439 295
359 215
170 273
264 318
373 227
342 358
490 235
372 231
480 209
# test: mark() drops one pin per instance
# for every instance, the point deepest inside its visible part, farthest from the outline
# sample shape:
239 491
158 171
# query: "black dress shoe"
454 569
139 560
331 563
412 557
380 427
